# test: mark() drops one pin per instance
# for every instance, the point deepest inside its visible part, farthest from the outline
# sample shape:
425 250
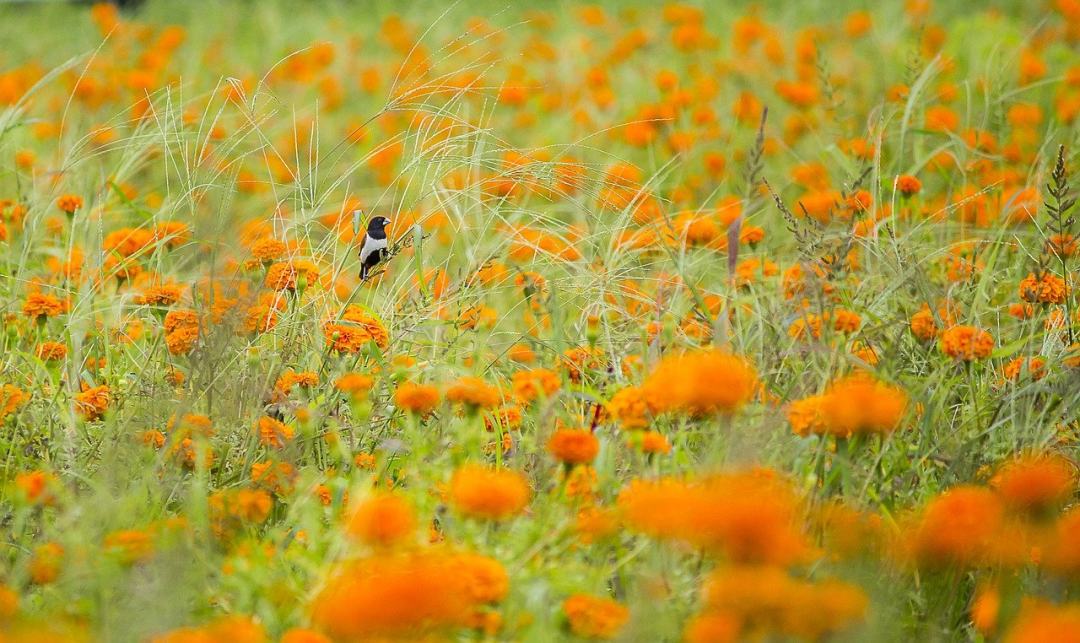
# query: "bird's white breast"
370 246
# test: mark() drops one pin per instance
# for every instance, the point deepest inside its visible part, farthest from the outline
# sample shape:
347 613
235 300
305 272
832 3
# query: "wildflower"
409 596
521 353
276 477
383 519
1035 366
419 399
859 404
273 433
908 185
92 403
923 325
368 323
531 384
1040 623
574 446
45 563
712 628
805 415
700 383
69 203
474 393
962 527
129 546
171 234
301 635
1047 289
1063 548
654 443
750 517
594 617
290 379
267 250
166 295
51 351
630 408
966 343
231 509
493 494
37 487
594 524
236 629
291 275
355 385
768 600
1036 483
39 306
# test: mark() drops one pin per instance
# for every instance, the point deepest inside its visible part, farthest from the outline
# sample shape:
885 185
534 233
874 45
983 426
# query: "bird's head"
378 223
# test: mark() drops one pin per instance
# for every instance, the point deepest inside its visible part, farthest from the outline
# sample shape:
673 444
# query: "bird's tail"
363 272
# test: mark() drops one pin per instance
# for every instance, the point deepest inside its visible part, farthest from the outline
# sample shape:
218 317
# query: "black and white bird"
374 248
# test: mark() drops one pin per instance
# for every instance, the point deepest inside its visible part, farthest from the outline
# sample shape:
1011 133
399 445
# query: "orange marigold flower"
369 323
1063 550
908 185
1043 623
275 477
129 546
1035 366
290 379
12 399
923 324
273 433
630 408
805 415
268 250
399 597
1048 289
653 442
36 486
574 446
45 563
383 519
420 399
40 306
69 203
712 628
963 527
165 295
751 517
533 383
859 404
301 635
1036 483
182 340
593 617
291 275
172 233
493 494
966 342
51 351
770 598
701 383
235 629
92 403
355 385
521 353
232 508
474 393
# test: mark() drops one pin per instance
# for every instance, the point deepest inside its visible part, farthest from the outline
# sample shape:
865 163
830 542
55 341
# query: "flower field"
697 322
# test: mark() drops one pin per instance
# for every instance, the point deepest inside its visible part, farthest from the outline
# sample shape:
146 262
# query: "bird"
374 248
